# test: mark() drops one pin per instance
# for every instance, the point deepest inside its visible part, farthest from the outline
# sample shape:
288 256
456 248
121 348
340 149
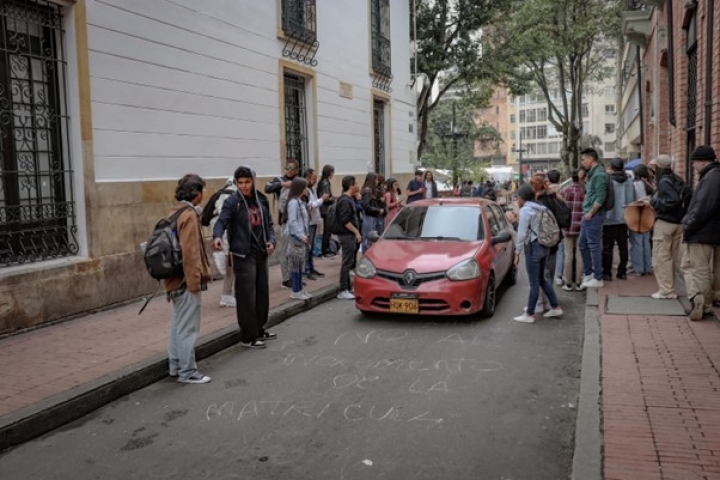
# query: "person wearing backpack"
348 231
209 217
593 215
530 231
615 230
245 215
280 188
184 291
701 232
666 202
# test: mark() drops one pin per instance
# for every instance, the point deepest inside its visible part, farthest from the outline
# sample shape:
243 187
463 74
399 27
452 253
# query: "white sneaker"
663 296
306 294
579 287
345 295
525 318
196 377
228 301
553 312
559 281
594 283
299 295
567 287
586 278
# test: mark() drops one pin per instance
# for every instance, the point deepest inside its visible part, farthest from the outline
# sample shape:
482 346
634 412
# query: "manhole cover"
643 306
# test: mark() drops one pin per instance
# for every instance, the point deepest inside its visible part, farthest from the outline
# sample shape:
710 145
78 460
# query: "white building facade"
141 92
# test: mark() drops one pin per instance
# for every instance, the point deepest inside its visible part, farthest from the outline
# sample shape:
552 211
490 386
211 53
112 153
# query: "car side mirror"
502 237
373 236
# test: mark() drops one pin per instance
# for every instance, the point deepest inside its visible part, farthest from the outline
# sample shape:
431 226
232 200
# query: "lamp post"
519 151
455 135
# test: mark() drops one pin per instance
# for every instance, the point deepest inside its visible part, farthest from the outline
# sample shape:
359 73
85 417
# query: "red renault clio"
441 256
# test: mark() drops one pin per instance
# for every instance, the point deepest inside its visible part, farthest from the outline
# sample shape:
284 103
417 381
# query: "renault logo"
409 278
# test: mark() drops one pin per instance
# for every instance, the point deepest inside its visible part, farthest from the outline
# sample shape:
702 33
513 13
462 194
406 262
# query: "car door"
509 247
501 261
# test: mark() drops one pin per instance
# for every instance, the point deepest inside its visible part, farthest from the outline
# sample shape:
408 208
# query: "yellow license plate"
404 305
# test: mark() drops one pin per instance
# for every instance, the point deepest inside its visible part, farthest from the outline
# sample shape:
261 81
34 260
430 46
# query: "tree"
562 48
453 133
453 47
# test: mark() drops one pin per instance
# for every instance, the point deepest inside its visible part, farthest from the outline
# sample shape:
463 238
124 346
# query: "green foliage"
561 46
452 50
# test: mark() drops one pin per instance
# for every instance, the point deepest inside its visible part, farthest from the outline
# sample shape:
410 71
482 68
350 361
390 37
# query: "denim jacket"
528 225
297 221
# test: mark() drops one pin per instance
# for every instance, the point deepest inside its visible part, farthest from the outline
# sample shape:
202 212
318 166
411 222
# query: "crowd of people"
684 238
588 215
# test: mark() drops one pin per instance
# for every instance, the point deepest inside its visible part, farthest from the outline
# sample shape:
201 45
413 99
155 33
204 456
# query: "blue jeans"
590 243
184 329
535 262
640 252
370 224
560 260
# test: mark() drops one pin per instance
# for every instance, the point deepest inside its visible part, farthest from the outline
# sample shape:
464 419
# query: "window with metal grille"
692 79
379 136
380 26
298 20
37 211
296 144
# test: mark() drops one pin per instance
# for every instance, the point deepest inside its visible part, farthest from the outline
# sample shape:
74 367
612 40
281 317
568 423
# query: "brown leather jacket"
196 265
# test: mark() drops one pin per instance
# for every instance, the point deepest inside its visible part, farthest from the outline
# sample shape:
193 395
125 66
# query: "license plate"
404 305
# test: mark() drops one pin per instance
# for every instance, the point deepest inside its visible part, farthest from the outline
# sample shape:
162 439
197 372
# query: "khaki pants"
571 250
666 254
697 264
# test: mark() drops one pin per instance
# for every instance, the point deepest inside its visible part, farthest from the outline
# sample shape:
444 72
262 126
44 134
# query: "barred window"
296 135
37 211
379 136
299 20
380 27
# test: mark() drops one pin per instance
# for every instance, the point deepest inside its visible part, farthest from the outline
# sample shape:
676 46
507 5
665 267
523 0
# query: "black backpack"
331 219
163 256
609 202
562 212
209 209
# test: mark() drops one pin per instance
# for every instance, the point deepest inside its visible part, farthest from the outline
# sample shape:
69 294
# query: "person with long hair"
431 189
373 212
324 187
640 249
545 197
391 199
297 231
535 255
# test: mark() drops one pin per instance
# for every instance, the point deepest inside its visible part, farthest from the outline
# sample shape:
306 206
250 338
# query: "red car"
441 256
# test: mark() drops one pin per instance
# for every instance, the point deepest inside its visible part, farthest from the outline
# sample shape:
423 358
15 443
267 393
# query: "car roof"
452 201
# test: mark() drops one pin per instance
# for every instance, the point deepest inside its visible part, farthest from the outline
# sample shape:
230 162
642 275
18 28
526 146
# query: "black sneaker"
310 276
268 336
254 344
196 377
287 284
318 274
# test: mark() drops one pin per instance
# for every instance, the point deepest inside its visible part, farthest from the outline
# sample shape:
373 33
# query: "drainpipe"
638 61
709 18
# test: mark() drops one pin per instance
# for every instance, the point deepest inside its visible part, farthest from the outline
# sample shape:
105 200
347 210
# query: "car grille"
426 304
420 278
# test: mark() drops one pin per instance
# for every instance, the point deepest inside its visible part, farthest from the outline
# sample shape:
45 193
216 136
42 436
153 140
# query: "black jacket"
701 223
346 213
323 188
667 200
234 217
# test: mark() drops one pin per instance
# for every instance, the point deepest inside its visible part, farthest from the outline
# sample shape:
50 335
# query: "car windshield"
441 222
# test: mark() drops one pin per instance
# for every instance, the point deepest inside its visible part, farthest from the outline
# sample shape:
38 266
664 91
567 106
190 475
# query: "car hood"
419 255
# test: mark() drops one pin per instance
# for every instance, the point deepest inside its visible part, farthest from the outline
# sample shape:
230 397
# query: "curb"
587 457
53 412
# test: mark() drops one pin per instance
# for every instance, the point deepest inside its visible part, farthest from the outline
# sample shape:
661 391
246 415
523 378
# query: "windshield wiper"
398 237
440 237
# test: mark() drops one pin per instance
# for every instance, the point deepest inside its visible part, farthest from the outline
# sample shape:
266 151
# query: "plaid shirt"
574 196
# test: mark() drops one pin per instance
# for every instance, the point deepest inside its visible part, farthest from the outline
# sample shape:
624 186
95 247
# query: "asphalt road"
341 396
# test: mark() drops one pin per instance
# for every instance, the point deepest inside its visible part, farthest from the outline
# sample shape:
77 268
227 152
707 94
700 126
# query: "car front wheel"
489 304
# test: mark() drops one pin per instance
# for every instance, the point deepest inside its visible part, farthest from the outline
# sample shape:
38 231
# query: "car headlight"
465 270
365 268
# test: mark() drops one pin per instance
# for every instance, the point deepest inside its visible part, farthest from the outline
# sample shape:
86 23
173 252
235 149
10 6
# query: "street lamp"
519 151
455 134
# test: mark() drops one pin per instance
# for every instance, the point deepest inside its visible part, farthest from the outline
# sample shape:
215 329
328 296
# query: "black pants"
615 234
349 253
252 293
325 237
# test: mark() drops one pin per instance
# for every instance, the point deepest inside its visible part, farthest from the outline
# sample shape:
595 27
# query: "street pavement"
655 377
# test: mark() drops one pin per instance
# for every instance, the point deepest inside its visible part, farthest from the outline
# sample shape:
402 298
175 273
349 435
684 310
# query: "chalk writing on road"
313 410
448 365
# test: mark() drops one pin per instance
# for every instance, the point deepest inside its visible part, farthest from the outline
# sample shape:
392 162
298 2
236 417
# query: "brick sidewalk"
53 360
660 392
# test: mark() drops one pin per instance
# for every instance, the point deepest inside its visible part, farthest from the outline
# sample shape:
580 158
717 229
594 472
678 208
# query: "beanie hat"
617 164
703 152
663 161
